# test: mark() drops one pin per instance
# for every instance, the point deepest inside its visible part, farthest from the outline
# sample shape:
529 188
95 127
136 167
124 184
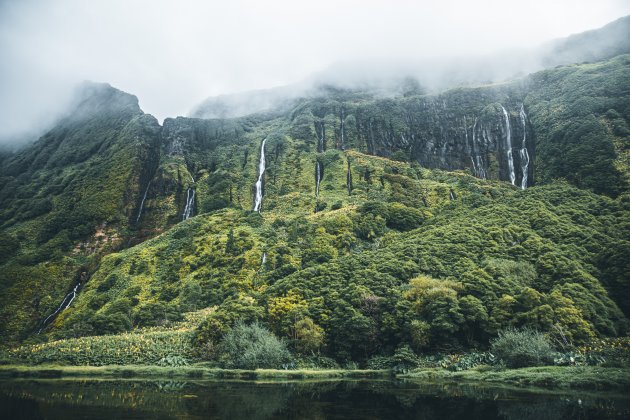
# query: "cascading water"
190 203
478 166
190 200
508 146
264 260
261 172
318 177
144 197
523 152
476 158
65 304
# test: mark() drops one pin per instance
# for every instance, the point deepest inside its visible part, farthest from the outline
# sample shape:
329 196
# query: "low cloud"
172 55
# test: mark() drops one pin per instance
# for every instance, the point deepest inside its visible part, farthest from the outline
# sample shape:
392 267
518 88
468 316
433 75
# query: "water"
144 197
190 200
261 172
65 304
190 203
523 152
508 146
334 399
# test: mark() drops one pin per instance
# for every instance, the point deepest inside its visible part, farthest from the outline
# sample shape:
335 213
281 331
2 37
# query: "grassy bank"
191 372
577 377
587 377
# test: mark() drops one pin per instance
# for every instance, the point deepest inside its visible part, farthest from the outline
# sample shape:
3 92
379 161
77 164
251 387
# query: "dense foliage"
382 260
522 348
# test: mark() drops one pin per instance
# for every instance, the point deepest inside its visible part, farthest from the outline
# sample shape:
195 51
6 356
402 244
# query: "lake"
335 399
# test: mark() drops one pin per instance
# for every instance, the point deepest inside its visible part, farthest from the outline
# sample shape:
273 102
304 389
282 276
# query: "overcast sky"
173 54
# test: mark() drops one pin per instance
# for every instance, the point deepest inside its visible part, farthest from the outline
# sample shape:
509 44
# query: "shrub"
404 359
252 347
380 363
468 361
143 347
523 347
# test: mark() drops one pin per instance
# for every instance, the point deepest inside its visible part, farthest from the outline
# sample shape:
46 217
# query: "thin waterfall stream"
259 182
508 146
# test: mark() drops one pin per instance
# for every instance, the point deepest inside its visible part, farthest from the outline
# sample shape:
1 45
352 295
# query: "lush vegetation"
385 263
522 348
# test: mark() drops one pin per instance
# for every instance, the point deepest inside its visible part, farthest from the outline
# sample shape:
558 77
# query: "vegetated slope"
68 198
477 265
328 204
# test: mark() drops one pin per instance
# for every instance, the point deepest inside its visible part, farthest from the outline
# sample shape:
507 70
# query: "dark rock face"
484 130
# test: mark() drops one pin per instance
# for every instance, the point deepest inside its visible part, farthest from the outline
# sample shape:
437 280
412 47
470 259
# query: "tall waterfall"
478 164
318 177
479 167
65 304
144 197
523 152
190 201
259 182
508 146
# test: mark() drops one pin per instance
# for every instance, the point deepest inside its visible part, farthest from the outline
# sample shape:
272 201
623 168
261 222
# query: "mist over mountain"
209 49
394 78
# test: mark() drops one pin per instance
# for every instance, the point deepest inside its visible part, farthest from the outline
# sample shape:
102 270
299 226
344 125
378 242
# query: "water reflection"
65 399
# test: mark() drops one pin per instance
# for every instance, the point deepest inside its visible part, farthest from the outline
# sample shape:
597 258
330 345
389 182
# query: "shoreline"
548 377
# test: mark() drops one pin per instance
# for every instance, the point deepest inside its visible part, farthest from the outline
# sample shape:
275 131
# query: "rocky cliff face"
484 131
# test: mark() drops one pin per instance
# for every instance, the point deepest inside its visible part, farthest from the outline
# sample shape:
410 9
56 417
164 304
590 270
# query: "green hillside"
384 222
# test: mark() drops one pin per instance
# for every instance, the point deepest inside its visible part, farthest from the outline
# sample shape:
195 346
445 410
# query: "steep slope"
342 178
69 198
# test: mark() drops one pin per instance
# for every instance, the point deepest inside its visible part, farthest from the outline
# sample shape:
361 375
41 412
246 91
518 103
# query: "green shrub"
143 347
522 348
380 363
468 361
253 347
404 359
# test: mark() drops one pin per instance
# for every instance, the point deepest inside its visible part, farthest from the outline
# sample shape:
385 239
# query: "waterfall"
482 167
341 128
508 145
478 164
451 194
190 203
190 200
144 197
523 152
65 304
318 177
259 182
264 260
475 170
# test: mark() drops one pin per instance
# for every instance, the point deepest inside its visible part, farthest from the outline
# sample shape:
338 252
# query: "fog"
173 55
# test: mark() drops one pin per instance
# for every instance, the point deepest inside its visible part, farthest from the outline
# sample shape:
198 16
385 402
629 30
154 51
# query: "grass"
191 372
550 377
578 377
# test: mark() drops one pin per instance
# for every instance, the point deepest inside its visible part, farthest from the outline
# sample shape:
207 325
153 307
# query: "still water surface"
370 399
